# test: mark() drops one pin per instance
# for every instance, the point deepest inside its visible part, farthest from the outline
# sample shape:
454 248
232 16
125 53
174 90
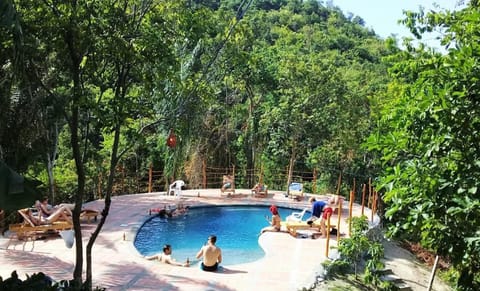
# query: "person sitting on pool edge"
317 208
227 182
274 222
166 257
212 255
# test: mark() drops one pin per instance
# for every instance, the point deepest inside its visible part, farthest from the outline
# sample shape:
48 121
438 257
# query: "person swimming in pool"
212 255
166 257
274 222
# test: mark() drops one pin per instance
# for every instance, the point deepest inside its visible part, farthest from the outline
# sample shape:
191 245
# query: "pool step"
388 275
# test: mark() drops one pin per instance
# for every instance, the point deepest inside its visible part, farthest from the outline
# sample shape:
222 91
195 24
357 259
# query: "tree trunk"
290 169
77 273
51 164
75 57
120 95
106 209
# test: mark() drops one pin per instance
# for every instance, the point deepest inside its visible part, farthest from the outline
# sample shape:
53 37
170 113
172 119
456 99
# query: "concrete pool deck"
289 263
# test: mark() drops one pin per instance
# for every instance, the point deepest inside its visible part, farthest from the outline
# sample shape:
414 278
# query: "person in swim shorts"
212 255
166 257
319 207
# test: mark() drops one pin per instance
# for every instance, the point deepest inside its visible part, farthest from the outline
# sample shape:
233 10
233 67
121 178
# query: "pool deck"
289 264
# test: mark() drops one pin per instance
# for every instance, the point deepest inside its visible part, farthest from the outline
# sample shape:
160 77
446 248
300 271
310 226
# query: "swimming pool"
237 229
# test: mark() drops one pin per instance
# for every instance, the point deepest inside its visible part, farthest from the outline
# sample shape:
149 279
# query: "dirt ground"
413 272
404 265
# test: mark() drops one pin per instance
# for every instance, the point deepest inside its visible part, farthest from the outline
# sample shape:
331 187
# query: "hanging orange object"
171 139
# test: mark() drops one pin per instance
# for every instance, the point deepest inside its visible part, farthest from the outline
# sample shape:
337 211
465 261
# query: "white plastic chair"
297 216
176 187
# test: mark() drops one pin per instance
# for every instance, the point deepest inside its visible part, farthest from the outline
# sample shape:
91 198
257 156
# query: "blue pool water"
237 229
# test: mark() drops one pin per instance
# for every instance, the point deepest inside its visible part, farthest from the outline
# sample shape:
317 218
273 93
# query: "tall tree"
429 143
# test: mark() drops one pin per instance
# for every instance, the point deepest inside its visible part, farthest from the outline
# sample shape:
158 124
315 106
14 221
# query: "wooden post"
150 174
99 190
353 197
314 188
260 180
289 180
364 190
328 236
204 174
432 274
339 219
122 168
374 204
354 185
339 183
350 214
369 193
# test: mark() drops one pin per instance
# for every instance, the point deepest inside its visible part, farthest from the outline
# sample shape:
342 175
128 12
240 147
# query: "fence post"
99 188
123 178
364 190
339 219
204 173
369 205
354 186
150 174
314 188
339 183
328 235
350 214
374 204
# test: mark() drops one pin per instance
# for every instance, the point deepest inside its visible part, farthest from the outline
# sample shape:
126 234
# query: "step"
385 272
402 286
391 278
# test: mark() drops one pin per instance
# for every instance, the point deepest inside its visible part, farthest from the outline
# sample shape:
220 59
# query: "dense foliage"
259 85
263 85
359 250
429 144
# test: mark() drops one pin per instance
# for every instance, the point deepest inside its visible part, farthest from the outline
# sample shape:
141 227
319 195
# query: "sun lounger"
88 214
228 184
28 229
297 216
294 226
295 191
260 191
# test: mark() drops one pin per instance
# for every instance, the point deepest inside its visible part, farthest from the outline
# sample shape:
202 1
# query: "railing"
151 180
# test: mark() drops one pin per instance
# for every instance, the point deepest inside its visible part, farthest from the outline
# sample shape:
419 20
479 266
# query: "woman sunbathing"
59 214
48 214
48 209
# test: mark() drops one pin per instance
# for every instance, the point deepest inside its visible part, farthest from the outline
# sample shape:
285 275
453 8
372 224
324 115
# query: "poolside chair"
228 184
88 214
295 191
30 227
176 188
260 190
296 216
293 227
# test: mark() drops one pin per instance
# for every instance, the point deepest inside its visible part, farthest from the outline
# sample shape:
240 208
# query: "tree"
429 144
356 249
